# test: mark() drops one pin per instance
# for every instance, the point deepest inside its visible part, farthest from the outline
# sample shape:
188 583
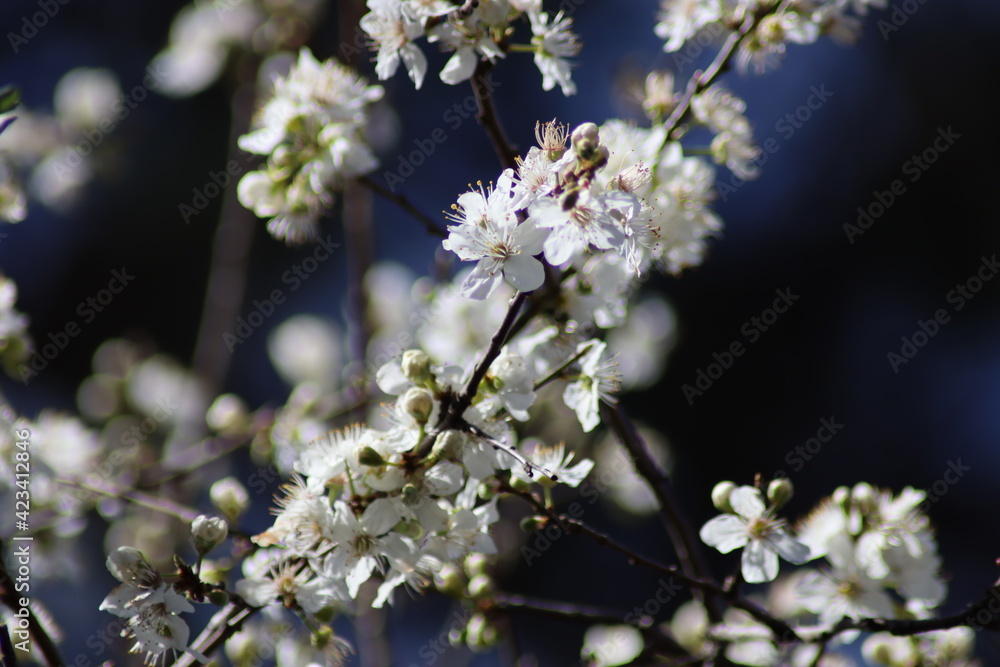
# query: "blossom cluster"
880 561
475 32
765 27
312 130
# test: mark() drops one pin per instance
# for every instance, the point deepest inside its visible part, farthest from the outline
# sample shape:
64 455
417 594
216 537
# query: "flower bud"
863 496
720 496
476 563
780 491
482 635
367 456
411 495
322 636
227 414
418 403
585 132
416 365
218 598
448 445
208 532
480 585
229 497
530 524
411 529
326 614
450 580
129 566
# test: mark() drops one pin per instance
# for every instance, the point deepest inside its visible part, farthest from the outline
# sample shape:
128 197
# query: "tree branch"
402 202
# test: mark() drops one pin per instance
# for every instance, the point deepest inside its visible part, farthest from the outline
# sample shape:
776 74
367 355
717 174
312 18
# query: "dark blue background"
826 357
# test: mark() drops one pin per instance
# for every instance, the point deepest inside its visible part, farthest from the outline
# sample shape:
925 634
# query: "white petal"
524 272
460 66
725 532
787 547
760 564
746 501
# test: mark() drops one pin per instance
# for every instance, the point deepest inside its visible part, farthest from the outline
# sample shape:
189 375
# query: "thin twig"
402 202
679 530
489 118
224 624
570 525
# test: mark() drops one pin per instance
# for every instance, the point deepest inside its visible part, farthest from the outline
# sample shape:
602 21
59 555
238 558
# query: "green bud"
411 529
450 580
481 635
322 637
720 496
780 491
367 456
218 598
326 614
480 585
530 524
476 563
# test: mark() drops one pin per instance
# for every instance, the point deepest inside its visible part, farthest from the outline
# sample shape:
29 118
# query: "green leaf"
10 97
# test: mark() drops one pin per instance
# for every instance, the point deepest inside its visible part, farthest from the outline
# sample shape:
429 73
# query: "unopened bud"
780 491
416 365
476 563
481 633
585 132
411 495
530 524
208 532
129 566
418 403
322 636
720 496
218 598
480 585
863 496
228 414
367 456
450 580
411 529
230 497
326 614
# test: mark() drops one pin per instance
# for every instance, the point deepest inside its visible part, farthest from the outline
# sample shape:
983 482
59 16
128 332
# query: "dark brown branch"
679 530
402 202
226 623
702 80
489 118
781 630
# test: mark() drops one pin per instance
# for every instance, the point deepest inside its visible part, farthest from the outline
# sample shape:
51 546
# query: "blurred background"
859 290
